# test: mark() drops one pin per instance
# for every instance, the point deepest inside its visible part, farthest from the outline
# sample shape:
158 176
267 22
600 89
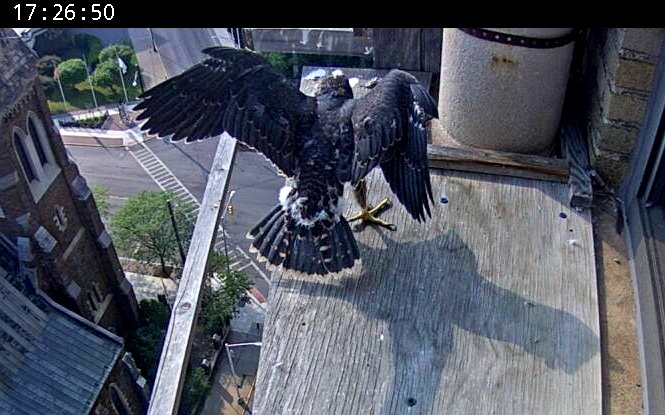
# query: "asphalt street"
181 48
253 178
115 169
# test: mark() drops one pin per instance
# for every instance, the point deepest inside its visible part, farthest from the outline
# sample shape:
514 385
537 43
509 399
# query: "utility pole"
87 71
121 69
152 39
175 230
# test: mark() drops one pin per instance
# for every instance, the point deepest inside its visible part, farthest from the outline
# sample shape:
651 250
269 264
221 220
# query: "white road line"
166 180
256 267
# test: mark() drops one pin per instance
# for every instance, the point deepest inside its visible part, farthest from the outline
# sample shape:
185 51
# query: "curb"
64 141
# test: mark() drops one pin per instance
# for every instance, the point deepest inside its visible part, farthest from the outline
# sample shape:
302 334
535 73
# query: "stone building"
618 71
54 361
47 207
62 352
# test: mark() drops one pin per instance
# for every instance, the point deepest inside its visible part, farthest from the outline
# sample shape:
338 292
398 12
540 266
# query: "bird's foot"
369 216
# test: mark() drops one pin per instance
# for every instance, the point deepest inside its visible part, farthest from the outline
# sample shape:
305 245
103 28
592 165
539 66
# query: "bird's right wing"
390 130
236 91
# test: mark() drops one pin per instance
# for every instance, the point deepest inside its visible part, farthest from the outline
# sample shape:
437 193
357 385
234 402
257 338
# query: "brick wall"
130 393
618 75
82 263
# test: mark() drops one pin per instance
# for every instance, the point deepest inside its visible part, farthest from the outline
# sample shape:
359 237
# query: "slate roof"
51 360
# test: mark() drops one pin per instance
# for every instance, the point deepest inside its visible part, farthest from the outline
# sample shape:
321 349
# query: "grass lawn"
79 96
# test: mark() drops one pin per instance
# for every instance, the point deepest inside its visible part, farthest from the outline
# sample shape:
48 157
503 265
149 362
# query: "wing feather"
235 91
390 131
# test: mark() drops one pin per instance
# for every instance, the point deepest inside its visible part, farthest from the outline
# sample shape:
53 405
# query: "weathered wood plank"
410 49
490 307
397 48
574 148
177 345
498 162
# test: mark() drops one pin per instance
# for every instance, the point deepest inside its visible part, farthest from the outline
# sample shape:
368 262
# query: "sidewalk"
102 138
152 68
246 326
223 396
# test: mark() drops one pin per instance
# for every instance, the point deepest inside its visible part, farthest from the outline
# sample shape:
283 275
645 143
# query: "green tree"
218 307
125 52
106 74
280 61
90 45
145 344
195 391
100 193
143 230
72 71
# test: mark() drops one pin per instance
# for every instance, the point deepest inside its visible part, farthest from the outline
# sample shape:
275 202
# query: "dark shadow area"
205 172
424 309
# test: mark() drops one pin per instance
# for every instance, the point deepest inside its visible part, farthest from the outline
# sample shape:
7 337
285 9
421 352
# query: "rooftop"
52 360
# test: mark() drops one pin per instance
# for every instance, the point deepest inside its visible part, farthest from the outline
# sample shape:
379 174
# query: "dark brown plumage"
319 143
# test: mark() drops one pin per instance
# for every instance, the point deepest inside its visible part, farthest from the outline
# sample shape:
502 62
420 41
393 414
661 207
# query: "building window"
60 219
35 155
119 401
40 139
92 303
26 163
37 141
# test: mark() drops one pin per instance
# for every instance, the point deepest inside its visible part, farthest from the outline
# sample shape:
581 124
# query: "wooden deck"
489 308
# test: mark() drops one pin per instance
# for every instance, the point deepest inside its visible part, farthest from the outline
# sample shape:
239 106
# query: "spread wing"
390 130
236 91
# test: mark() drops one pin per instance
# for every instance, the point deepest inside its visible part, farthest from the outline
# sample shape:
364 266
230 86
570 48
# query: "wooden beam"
495 293
177 345
497 162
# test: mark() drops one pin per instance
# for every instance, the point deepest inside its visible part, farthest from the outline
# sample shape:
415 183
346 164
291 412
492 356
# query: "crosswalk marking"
167 181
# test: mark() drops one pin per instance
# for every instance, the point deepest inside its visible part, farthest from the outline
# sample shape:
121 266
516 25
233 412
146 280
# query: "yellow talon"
369 215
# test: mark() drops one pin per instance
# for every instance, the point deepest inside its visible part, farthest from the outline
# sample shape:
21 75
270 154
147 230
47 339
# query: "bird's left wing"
236 91
389 125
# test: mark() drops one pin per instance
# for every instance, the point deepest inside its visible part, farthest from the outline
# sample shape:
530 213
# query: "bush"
125 52
218 307
72 71
92 122
281 61
106 74
195 391
143 228
145 344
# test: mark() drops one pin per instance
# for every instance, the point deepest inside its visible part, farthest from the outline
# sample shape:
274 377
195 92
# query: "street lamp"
226 252
152 38
228 347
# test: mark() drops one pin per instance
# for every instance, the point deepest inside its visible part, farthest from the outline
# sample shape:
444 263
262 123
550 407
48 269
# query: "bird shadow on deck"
425 313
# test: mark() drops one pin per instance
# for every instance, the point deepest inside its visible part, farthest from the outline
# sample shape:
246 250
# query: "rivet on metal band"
527 42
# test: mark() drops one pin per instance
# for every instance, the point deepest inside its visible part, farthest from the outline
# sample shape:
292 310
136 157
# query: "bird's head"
336 85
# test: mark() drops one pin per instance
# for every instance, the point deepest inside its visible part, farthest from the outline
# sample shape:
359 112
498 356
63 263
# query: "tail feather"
324 248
